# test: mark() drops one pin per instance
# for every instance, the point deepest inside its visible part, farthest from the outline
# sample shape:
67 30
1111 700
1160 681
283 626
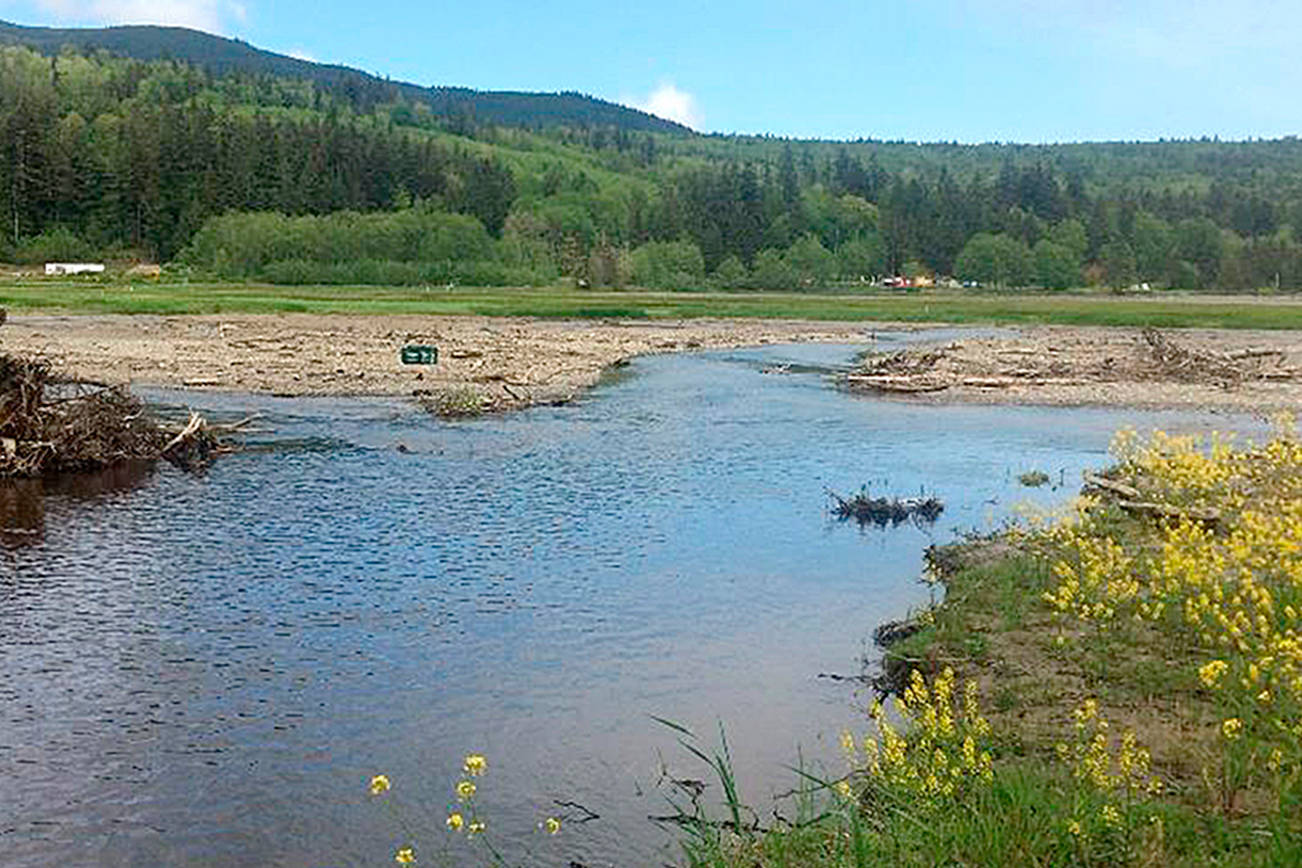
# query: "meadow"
1161 310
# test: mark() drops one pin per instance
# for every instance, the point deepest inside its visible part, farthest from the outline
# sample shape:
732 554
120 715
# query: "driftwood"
889 633
883 511
1210 516
1093 480
1177 362
1258 354
899 384
1155 357
51 425
1132 500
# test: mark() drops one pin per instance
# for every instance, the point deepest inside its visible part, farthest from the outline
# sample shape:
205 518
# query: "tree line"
147 162
114 157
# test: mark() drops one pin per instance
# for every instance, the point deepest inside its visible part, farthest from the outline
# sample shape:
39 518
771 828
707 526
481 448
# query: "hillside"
220 56
201 160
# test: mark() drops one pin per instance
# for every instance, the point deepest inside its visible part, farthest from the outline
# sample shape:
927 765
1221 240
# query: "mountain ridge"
220 55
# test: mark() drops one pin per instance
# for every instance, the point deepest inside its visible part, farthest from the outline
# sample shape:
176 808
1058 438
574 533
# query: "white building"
73 268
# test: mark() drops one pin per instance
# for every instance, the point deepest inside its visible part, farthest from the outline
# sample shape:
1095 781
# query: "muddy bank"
489 363
1057 365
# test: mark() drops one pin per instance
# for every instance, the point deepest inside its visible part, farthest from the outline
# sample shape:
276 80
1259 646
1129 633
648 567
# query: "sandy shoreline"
505 363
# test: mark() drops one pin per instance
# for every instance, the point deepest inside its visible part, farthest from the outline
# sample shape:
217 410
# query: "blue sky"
926 70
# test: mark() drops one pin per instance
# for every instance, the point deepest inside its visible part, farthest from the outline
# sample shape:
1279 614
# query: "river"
208 671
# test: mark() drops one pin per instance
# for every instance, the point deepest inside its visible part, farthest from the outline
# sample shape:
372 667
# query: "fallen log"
1093 480
1257 354
1131 499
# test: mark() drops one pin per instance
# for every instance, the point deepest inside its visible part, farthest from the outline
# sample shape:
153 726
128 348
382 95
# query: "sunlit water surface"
207 671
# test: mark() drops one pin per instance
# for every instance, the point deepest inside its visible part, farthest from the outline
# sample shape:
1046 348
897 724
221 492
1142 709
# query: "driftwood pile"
52 425
1171 361
1152 357
883 511
906 371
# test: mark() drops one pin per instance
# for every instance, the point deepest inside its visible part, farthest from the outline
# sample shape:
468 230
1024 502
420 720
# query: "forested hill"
220 56
256 175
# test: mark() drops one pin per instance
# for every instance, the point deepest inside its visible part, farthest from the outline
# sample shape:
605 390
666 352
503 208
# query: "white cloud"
209 15
303 54
670 103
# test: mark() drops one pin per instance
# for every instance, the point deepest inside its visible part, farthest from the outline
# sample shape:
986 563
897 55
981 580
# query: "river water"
207 671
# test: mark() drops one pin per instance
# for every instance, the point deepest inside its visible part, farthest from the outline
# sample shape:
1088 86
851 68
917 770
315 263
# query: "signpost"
419 354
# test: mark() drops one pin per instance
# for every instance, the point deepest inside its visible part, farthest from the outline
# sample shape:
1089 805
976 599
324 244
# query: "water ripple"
207 671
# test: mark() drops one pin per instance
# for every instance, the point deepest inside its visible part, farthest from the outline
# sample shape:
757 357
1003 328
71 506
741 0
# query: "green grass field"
1172 311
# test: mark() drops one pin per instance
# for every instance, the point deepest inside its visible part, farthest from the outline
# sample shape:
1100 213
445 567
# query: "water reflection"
22 511
22 501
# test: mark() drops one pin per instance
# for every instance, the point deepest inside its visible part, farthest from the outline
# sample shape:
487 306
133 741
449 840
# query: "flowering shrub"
940 751
1219 572
1112 811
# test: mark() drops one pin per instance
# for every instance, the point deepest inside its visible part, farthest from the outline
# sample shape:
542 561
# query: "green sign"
420 354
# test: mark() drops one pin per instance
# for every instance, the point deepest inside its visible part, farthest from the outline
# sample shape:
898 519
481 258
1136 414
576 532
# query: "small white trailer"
63 268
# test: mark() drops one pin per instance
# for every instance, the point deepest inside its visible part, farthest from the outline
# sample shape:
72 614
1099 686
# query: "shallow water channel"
208 671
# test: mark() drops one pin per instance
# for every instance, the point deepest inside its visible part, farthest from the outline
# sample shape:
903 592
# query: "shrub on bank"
1212 565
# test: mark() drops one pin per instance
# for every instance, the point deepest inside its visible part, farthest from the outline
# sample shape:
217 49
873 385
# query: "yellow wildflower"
1074 828
465 789
475 827
1232 728
1088 710
379 784
456 821
551 825
475 765
848 746
1211 673
405 856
